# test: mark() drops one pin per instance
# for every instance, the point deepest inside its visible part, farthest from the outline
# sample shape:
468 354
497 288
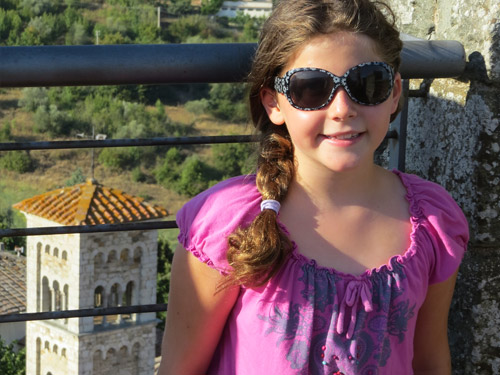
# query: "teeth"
346 136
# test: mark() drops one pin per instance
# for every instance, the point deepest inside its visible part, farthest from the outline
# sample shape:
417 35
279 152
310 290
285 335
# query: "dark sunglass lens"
369 84
310 89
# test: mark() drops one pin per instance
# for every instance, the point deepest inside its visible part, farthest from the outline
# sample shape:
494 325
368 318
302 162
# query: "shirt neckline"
383 268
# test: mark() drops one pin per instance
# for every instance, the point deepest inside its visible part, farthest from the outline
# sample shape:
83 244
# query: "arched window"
64 255
99 297
66 297
38 354
136 350
55 349
137 255
55 252
113 295
98 260
123 353
97 362
63 353
127 296
124 256
46 300
111 358
112 256
47 249
56 297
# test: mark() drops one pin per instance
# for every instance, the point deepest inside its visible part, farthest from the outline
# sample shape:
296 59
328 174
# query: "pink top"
315 320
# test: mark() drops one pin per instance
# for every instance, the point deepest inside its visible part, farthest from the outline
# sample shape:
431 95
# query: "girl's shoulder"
209 218
429 198
443 227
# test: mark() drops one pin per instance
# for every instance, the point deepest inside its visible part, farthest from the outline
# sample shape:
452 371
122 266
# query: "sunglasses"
310 89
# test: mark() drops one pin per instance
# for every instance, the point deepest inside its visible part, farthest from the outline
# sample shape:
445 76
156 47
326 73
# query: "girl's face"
344 134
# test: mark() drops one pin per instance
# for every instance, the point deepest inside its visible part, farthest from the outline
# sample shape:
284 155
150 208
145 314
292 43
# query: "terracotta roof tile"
89 204
12 283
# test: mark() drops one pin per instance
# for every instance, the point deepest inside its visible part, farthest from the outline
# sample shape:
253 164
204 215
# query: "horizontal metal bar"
124 64
167 141
82 313
432 59
170 141
23 66
100 228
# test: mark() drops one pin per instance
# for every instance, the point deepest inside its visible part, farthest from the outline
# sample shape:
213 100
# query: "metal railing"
161 64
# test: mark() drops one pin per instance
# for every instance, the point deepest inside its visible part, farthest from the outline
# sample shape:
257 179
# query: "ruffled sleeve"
208 219
446 228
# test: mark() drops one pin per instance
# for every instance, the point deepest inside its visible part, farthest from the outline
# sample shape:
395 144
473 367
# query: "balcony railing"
162 64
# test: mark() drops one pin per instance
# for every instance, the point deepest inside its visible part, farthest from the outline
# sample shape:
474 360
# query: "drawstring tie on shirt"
356 291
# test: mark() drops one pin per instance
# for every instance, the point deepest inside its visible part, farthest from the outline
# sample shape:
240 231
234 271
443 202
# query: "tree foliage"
12 362
6 222
77 177
233 159
210 6
180 7
165 256
17 161
226 102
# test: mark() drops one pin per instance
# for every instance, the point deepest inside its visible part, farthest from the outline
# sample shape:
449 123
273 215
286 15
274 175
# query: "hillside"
166 176
54 168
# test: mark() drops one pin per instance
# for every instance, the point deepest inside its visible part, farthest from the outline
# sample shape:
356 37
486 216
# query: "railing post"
397 146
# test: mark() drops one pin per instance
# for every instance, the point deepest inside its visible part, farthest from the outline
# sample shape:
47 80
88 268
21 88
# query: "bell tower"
90 270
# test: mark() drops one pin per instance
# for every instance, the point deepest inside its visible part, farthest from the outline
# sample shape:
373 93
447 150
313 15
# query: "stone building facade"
93 270
454 139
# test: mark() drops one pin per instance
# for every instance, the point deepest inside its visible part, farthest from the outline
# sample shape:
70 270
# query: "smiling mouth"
345 137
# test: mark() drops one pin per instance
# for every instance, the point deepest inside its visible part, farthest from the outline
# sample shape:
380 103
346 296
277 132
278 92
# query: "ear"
270 103
397 90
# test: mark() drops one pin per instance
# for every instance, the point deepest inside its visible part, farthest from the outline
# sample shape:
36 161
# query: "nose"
341 107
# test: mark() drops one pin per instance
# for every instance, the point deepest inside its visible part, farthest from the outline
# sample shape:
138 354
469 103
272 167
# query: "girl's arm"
196 315
431 348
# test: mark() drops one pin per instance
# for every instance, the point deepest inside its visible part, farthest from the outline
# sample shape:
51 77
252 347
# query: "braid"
257 252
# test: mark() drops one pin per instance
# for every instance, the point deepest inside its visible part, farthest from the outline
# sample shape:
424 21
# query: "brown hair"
257 252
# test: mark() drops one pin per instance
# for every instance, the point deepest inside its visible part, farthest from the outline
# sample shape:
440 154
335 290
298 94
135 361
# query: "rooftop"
90 203
12 283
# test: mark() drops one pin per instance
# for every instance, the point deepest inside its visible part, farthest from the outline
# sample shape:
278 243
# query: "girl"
323 262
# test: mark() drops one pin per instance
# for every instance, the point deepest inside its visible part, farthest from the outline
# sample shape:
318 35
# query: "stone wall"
454 139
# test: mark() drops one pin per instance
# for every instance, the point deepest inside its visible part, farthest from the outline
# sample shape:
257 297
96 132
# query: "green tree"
6 132
195 176
165 256
120 158
77 177
138 175
184 27
77 34
8 4
12 362
180 7
17 161
167 172
11 26
34 97
53 121
227 102
38 7
210 6
6 222
232 159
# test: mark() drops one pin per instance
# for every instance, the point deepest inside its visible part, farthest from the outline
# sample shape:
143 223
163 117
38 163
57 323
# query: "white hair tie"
270 204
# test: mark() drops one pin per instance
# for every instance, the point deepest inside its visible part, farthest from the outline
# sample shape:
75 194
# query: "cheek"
303 121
